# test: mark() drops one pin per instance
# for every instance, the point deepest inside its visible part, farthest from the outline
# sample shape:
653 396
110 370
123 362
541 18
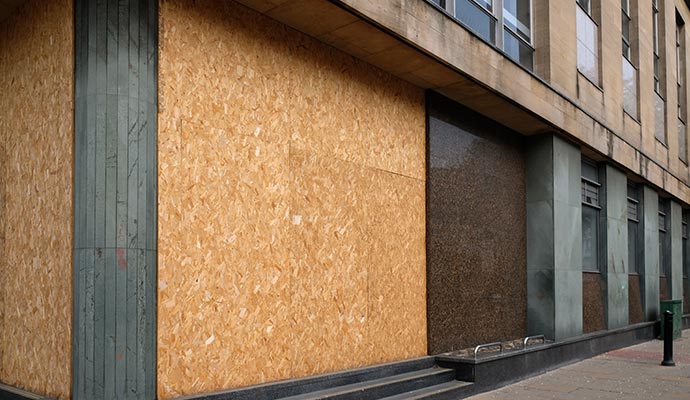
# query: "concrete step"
444 391
382 387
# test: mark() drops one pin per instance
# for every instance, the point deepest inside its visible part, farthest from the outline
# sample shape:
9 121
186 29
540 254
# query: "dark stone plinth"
495 371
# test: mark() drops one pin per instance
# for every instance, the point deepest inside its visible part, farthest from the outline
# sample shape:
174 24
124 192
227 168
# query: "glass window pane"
655 31
659 118
477 19
682 142
590 238
518 50
632 210
632 246
663 255
516 14
626 28
589 170
488 4
586 4
629 88
587 47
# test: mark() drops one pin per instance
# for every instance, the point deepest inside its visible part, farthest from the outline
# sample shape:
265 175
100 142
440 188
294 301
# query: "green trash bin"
676 307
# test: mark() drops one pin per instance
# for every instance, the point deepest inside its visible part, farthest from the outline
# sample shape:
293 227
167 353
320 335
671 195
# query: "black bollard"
668 339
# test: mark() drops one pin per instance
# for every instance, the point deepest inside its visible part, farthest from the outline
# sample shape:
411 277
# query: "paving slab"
631 373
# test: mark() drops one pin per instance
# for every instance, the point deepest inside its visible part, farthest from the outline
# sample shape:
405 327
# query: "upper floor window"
506 24
680 85
517 31
626 21
659 102
587 42
586 5
657 49
629 70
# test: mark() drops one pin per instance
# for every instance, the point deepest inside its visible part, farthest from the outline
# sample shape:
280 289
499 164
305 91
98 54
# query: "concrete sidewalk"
631 373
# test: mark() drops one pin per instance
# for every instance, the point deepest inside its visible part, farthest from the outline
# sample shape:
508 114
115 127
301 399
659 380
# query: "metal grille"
590 193
633 207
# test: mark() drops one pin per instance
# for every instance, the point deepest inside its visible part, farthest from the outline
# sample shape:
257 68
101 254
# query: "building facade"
205 195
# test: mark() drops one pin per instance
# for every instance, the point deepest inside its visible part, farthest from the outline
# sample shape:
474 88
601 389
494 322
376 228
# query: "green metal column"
115 216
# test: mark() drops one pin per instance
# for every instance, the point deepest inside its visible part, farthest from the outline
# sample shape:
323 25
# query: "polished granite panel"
635 308
593 318
476 262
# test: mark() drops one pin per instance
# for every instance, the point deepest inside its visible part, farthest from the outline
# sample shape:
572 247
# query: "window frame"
656 48
635 235
500 27
625 13
664 255
585 183
597 82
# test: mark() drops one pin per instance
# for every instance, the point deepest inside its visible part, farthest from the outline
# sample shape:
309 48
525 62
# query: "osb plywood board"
281 86
291 205
36 77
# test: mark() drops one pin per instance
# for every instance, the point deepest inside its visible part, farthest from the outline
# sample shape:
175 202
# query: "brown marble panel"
635 307
663 289
593 317
476 262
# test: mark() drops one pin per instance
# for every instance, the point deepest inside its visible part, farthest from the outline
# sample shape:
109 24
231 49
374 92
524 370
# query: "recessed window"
655 42
664 260
587 42
680 84
590 215
506 24
478 18
634 234
586 5
629 70
626 21
659 102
